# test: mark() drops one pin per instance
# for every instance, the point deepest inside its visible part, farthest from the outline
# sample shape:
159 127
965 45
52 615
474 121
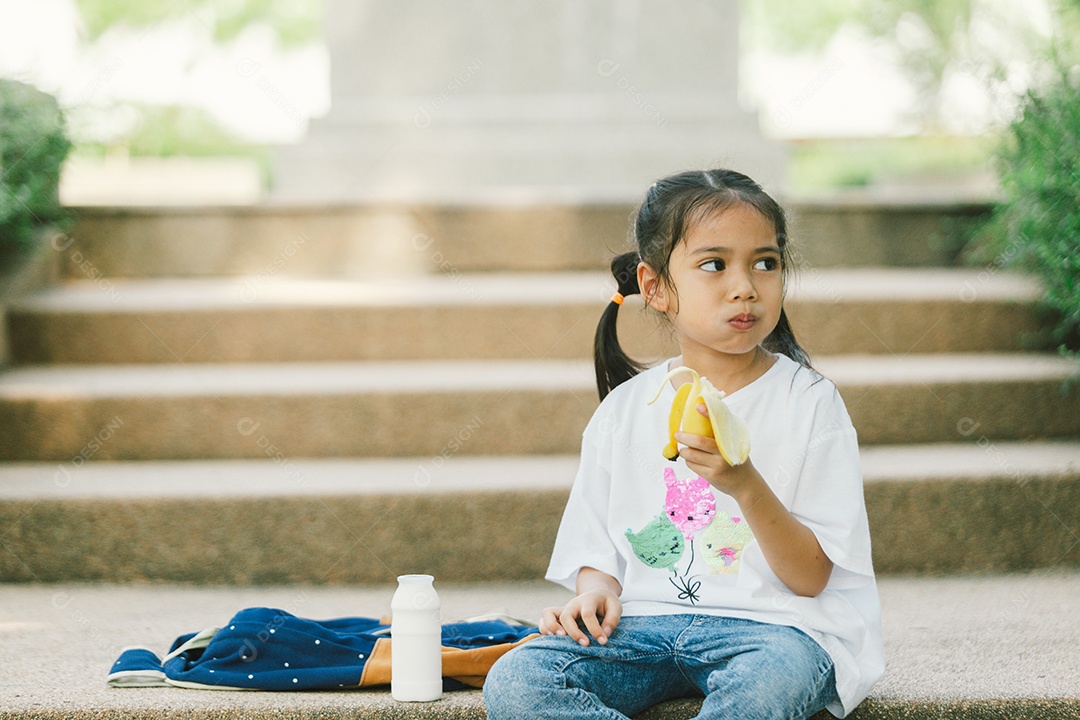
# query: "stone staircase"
300 399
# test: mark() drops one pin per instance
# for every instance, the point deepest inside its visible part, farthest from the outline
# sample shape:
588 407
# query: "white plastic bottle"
416 640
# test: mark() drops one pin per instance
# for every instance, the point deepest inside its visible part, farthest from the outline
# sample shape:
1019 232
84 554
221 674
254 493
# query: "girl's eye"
712 265
767 264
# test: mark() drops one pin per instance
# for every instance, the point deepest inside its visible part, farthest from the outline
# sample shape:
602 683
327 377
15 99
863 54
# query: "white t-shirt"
676 545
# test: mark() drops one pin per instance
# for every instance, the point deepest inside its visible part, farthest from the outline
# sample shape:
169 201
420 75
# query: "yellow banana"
729 431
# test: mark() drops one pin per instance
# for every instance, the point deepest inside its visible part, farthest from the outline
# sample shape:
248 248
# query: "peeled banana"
729 431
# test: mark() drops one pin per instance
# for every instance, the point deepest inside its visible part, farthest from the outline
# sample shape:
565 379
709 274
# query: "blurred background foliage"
930 39
147 130
33 146
142 130
139 129
1007 46
293 22
1036 226
997 42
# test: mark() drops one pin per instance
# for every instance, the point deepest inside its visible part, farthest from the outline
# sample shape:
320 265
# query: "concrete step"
519 235
965 648
485 316
974 507
147 412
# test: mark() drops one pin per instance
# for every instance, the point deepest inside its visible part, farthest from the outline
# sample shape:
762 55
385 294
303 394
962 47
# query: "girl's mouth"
742 322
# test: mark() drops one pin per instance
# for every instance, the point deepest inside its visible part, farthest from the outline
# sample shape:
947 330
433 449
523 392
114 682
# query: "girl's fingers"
549 621
592 624
587 615
569 623
697 442
612 615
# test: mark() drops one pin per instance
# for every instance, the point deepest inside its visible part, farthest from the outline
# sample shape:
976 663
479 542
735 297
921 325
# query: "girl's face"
727 273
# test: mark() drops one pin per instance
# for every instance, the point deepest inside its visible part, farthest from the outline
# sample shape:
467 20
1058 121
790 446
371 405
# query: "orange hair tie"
617 298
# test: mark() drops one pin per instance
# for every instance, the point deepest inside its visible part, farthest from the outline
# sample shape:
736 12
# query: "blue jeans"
745 669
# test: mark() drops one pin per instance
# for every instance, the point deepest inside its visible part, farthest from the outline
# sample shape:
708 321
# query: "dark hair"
670 208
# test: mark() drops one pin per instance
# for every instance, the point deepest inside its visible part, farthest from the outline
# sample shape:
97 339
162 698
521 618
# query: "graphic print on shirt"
659 544
724 541
689 506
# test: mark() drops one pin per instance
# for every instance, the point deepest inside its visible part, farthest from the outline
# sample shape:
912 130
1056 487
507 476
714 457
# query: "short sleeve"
583 539
829 495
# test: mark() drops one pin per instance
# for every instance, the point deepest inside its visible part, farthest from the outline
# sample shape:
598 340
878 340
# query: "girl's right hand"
598 610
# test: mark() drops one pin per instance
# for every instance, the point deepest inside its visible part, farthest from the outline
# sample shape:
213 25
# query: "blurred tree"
1037 224
932 39
140 129
931 36
789 26
169 130
294 22
33 145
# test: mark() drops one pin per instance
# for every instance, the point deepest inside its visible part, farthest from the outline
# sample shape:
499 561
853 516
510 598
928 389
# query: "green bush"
33 145
1039 220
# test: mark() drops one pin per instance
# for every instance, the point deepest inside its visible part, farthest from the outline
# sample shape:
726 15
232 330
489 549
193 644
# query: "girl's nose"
742 288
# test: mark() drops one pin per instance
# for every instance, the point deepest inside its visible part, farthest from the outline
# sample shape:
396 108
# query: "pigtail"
613 365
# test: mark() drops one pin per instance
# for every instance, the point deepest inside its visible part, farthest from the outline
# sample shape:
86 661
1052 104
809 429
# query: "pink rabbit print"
690 504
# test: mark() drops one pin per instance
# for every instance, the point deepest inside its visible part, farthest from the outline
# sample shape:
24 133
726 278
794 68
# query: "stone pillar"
578 100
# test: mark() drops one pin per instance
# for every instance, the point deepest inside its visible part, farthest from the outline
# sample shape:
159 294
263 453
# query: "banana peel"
729 430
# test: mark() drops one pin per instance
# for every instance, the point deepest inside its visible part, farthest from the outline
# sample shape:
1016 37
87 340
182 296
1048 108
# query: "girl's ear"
652 288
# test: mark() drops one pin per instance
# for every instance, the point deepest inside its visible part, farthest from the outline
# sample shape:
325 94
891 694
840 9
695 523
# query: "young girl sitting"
750 584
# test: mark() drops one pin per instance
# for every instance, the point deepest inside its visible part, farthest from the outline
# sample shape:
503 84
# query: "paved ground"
975 642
